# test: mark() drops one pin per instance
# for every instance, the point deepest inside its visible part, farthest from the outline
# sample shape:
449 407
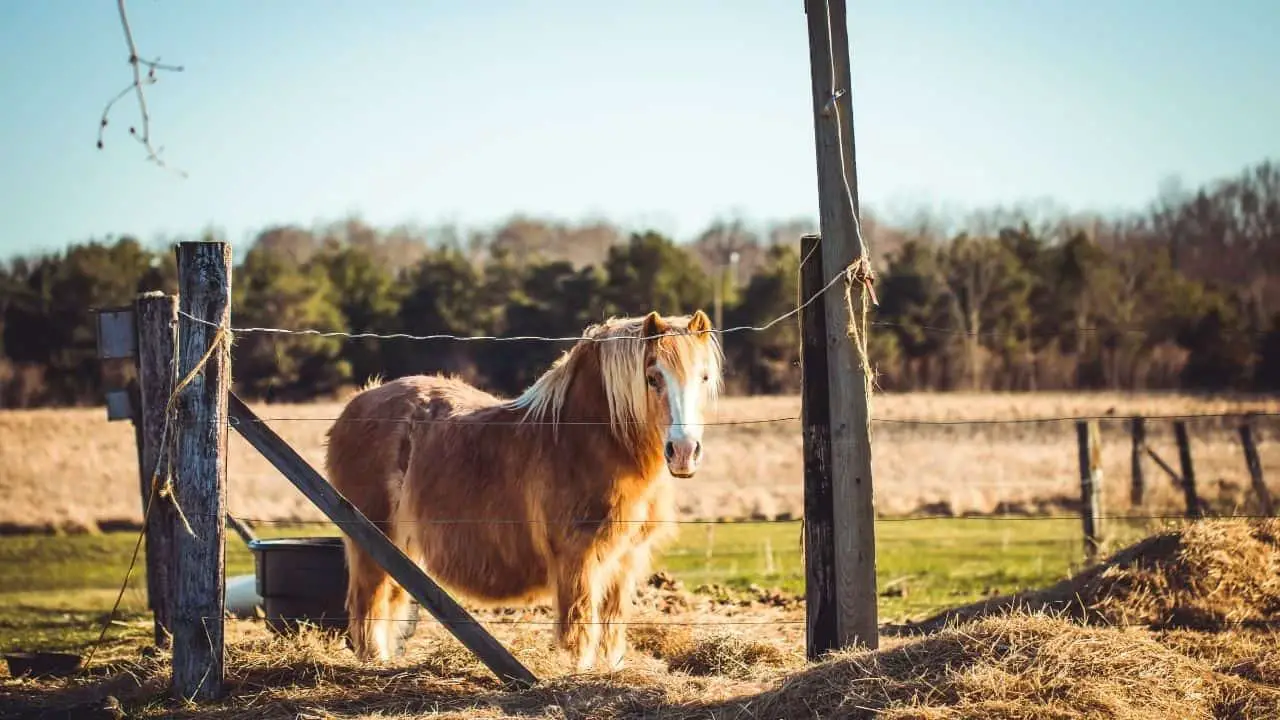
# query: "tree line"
1183 294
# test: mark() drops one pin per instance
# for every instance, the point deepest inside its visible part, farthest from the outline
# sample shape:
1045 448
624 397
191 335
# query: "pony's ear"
699 323
654 325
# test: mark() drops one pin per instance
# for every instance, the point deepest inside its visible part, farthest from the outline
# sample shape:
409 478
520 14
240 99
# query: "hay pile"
1017 666
715 653
313 676
1176 626
1010 667
1211 575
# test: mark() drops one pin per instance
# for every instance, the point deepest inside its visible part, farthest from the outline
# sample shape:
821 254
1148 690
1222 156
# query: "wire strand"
1026 335
904 625
1044 420
1164 517
463 421
518 338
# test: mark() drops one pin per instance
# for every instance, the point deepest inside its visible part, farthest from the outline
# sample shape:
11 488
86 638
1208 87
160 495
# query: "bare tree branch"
138 63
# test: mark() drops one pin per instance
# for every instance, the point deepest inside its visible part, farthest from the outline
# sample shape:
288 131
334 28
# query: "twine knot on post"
859 273
222 336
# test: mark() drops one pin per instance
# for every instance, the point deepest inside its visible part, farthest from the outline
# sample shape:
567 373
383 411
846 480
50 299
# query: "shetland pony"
559 493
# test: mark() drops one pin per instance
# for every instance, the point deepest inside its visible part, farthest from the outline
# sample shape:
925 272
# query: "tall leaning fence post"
200 468
848 374
156 315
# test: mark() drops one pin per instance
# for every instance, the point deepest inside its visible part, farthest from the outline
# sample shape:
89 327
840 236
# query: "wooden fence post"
1188 469
200 468
1088 438
1138 427
157 319
853 499
1255 468
821 608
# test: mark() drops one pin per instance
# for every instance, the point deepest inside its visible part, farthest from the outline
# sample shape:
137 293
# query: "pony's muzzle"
682 456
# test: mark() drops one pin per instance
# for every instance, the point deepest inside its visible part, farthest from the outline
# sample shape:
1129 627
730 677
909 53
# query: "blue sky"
662 113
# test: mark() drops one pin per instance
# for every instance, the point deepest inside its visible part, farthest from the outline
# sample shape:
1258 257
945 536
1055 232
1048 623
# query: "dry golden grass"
1025 666
1004 666
70 469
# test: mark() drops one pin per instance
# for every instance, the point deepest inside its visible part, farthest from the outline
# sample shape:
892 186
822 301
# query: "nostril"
697 450
670 450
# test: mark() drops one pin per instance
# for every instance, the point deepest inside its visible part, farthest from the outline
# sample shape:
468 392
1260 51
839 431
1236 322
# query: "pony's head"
682 374
657 374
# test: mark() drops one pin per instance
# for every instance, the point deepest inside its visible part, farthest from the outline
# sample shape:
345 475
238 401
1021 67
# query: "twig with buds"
138 63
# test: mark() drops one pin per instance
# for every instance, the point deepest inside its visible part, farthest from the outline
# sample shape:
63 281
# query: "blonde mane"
621 354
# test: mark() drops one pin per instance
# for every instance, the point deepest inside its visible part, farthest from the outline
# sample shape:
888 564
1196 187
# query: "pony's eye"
652 380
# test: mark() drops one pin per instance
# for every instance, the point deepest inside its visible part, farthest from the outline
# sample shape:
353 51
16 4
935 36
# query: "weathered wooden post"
847 375
821 604
1254 464
157 324
1138 428
200 468
1089 440
1188 469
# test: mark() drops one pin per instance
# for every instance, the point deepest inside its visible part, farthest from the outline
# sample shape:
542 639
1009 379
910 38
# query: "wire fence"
604 522
1029 499
1019 334
737 563
924 422
734 562
765 622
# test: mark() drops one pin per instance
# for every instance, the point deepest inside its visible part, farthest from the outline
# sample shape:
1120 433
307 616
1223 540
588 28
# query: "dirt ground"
72 470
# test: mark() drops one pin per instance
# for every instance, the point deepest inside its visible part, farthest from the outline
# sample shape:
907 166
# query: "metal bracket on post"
119 405
117 334
117 342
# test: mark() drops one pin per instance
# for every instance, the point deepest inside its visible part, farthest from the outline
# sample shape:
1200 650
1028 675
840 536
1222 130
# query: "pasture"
719 630
56 589
70 470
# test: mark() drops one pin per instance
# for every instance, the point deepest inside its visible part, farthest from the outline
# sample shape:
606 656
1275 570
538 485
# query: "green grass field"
56 591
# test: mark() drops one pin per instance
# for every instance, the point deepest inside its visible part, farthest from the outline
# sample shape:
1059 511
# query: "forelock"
619 346
688 355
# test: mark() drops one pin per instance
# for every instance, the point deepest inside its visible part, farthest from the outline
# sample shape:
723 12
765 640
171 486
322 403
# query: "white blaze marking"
686 408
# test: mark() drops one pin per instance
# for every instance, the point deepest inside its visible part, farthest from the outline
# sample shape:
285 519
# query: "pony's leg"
368 588
395 624
398 624
578 605
380 624
378 608
615 609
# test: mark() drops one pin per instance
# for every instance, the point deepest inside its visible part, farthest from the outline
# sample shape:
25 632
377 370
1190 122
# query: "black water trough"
304 580
301 579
